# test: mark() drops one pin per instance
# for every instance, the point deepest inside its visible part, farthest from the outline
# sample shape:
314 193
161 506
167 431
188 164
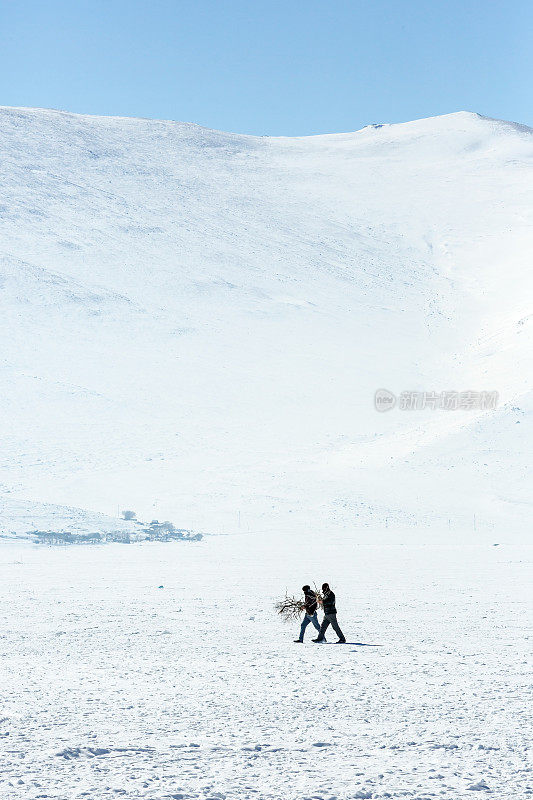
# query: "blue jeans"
305 622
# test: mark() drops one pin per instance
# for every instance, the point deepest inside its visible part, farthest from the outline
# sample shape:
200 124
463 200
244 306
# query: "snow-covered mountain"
194 323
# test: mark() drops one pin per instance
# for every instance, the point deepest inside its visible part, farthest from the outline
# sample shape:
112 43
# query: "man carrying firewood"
311 604
330 616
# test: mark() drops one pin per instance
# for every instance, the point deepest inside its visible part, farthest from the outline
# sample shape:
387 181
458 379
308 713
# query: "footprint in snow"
481 786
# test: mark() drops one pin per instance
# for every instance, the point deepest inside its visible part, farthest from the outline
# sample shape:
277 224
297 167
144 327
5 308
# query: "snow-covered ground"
112 686
194 323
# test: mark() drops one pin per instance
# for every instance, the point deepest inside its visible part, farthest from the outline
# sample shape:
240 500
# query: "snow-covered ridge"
194 322
440 123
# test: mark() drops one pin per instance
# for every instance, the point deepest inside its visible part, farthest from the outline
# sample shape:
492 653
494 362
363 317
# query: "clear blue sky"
284 68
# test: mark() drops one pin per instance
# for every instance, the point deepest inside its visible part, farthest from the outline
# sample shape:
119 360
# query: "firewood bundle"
291 608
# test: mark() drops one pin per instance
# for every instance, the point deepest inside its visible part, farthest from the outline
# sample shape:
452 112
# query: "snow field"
113 686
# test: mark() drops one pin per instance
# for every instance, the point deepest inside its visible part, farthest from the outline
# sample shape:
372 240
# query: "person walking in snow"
330 616
310 615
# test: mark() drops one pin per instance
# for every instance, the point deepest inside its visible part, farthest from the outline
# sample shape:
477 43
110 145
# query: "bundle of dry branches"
319 595
290 608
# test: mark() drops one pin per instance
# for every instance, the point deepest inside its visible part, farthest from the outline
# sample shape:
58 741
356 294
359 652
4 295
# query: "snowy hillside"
194 323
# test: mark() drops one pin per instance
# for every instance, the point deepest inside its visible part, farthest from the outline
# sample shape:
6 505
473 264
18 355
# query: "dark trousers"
330 619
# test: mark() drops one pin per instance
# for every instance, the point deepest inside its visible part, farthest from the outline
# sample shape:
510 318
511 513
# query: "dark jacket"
329 603
310 603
